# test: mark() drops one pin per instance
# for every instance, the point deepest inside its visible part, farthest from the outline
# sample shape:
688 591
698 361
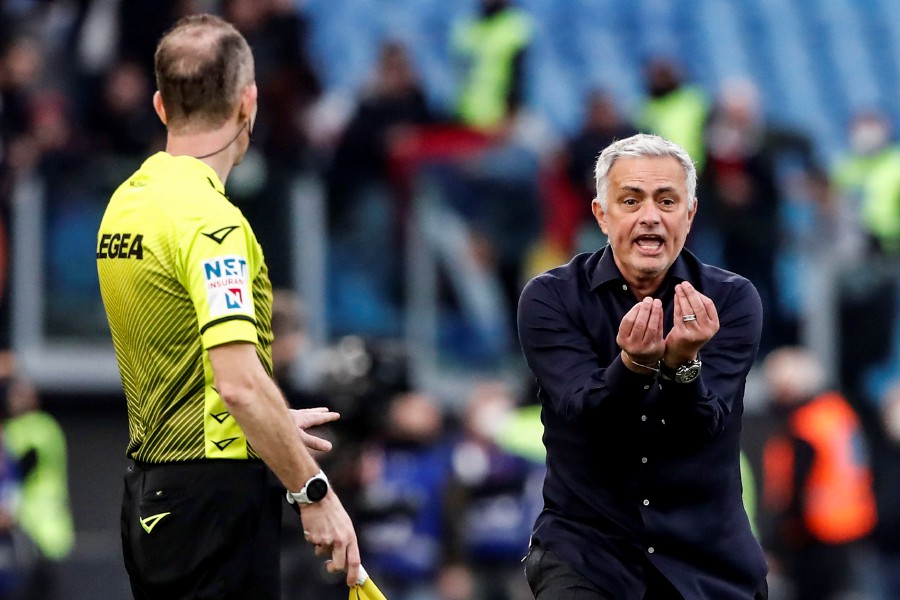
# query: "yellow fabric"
180 272
874 182
679 116
489 46
44 512
523 434
367 590
748 495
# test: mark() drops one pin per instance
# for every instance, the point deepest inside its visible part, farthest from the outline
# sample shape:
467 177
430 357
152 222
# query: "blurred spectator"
603 124
392 102
493 497
838 236
867 180
742 196
863 301
674 109
482 218
490 49
20 66
280 152
289 328
869 177
404 477
20 71
136 29
817 479
122 120
886 464
37 441
287 80
365 216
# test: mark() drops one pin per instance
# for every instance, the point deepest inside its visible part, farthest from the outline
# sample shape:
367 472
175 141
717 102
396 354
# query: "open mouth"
649 243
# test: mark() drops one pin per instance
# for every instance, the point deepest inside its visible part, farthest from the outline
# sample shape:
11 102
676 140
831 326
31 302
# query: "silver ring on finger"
689 318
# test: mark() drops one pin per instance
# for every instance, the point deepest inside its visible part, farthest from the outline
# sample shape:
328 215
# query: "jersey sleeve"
218 262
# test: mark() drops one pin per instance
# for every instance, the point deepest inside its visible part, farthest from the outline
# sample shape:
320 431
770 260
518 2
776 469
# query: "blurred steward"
817 478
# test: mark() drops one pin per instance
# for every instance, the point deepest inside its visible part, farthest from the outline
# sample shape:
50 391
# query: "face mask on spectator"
868 137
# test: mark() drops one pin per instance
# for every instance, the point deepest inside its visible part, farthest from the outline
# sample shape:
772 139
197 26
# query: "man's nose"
649 212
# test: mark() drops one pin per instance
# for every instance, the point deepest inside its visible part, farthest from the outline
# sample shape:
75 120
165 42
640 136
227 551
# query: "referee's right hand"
327 526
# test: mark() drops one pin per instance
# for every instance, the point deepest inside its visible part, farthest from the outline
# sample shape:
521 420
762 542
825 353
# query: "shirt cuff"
682 392
620 378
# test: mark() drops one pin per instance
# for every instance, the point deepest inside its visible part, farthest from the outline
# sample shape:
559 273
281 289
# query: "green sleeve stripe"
225 319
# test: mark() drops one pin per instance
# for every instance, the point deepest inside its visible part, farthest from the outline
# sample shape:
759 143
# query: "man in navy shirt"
641 353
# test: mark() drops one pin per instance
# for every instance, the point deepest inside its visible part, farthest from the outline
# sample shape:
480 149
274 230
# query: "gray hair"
637 146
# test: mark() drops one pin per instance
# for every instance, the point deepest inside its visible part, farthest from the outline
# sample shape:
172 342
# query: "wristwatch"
683 373
315 488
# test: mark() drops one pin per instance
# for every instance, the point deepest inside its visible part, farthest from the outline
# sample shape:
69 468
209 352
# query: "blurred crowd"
444 491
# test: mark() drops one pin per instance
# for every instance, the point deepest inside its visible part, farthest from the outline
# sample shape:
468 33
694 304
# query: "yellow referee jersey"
180 272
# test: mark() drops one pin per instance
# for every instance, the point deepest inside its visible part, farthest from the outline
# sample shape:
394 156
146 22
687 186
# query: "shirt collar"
605 270
190 164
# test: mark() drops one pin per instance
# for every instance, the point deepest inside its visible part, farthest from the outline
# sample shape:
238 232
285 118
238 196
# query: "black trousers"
550 578
202 530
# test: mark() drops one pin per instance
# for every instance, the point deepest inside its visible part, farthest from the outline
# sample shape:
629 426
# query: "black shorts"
203 529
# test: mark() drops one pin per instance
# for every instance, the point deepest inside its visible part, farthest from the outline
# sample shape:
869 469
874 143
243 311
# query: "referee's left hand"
306 418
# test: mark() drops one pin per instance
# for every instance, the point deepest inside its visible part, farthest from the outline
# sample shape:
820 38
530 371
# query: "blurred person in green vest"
491 49
674 109
37 441
868 176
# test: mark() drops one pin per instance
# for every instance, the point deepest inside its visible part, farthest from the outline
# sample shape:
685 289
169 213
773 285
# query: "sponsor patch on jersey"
227 285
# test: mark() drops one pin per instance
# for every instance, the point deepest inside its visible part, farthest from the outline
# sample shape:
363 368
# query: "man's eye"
629 201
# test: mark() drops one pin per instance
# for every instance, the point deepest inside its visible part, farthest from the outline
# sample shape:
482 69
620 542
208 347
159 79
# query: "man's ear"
599 215
159 108
247 107
692 213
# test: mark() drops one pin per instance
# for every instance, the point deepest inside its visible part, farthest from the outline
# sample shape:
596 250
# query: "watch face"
316 489
687 373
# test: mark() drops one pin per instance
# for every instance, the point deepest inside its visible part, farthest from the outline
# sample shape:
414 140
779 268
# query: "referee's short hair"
202 64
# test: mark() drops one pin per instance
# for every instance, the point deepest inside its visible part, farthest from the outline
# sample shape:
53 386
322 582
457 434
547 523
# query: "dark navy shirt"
640 468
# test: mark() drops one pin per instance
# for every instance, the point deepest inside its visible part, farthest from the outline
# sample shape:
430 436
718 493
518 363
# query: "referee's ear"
247 108
160 108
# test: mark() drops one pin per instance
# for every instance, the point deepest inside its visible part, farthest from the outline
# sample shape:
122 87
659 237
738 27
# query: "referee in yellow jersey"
189 304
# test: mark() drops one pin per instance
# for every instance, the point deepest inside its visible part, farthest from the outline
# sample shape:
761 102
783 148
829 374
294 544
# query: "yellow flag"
365 588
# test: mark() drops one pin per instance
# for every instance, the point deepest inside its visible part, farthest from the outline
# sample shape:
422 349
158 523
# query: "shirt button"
625 287
646 502
644 460
663 421
643 417
646 387
651 550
